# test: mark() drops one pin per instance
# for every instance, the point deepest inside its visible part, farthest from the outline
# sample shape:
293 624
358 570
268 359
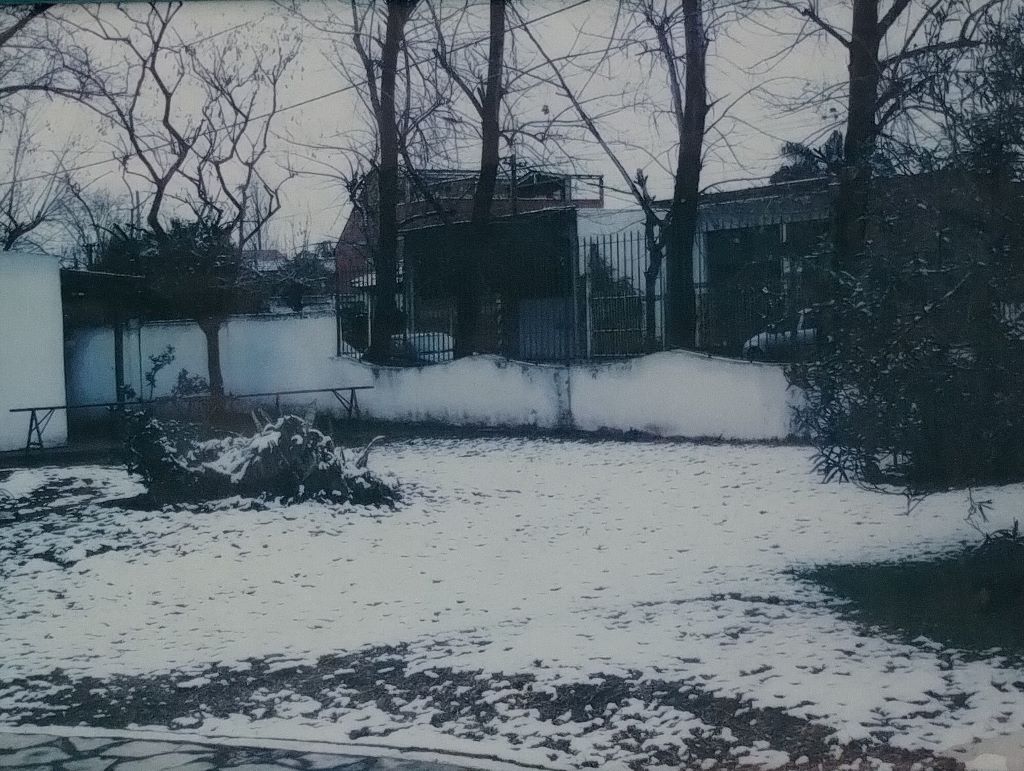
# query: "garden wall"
681 393
31 346
674 393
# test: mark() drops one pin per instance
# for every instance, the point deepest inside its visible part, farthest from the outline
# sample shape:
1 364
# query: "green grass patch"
952 600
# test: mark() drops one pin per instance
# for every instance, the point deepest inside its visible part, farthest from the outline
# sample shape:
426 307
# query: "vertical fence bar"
589 292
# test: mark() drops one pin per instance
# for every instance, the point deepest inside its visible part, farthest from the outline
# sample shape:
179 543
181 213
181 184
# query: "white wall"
482 390
667 394
681 393
31 346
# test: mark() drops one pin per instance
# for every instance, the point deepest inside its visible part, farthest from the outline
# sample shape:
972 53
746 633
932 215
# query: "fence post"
337 309
591 251
572 258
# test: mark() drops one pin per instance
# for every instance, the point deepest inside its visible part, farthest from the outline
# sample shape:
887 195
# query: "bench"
39 417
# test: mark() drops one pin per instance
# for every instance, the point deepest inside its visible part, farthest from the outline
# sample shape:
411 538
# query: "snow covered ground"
560 604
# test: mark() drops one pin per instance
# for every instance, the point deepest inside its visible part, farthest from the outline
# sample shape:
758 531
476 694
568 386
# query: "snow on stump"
286 459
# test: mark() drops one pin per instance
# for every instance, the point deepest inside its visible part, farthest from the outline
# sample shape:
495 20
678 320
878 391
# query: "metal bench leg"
349 404
36 426
32 427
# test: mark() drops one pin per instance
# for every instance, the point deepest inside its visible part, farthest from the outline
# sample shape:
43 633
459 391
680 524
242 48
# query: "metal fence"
547 296
623 315
763 312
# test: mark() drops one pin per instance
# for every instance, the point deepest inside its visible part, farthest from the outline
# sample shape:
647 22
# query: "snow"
573 562
21 483
987 762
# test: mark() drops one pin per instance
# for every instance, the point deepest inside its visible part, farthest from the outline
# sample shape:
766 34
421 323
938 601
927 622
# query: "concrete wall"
680 393
667 394
31 346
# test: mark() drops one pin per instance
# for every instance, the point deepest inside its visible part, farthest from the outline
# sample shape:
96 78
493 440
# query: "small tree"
307 273
193 269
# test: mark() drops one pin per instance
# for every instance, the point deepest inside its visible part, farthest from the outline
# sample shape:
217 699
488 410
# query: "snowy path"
560 604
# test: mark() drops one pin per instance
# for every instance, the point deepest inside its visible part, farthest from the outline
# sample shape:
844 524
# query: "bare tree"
89 218
209 159
485 96
155 135
895 54
677 37
380 62
35 185
36 54
230 180
16 23
689 110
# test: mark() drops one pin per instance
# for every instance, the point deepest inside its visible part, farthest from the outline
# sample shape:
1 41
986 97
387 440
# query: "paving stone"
140 749
32 756
20 741
159 762
89 743
89 764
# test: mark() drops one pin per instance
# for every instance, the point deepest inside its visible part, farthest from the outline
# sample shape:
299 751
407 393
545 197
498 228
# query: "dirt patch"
467 704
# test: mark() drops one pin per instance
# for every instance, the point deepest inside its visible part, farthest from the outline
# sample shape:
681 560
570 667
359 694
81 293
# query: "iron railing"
588 300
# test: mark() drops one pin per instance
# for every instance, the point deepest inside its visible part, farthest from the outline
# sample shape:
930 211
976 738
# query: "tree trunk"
861 133
682 226
472 288
386 318
211 330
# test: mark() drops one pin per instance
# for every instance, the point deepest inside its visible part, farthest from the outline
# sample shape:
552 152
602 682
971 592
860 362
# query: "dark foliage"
286 459
920 382
806 162
192 271
920 378
309 274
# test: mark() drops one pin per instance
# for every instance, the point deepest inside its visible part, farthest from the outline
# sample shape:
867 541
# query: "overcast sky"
744 144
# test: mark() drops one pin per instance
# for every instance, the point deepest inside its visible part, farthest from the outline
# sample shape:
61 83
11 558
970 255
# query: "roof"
264 259
806 200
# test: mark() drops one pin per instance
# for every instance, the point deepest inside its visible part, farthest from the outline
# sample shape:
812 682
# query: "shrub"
286 459
920 385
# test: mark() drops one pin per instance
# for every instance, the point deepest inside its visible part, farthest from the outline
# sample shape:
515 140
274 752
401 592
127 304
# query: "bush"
920 385
286 459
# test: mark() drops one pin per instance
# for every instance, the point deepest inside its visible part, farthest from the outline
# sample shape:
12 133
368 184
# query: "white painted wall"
31 346
681 393
481 390
258 353
667 394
